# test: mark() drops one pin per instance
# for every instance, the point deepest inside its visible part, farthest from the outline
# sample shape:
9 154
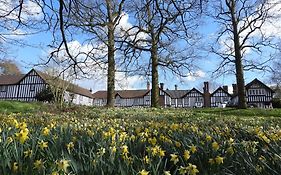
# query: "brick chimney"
225 88
162 86
148 85
235 90
176 87
206 95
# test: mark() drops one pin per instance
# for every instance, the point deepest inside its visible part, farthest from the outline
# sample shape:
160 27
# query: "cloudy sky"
36 50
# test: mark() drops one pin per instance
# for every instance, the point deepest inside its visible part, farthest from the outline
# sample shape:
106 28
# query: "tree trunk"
238 61
111 59
155 88
110 70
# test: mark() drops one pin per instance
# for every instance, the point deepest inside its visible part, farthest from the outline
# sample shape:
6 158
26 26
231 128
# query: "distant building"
25 88
220 97
257 94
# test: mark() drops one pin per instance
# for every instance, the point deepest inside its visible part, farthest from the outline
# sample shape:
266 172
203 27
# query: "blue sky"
27 56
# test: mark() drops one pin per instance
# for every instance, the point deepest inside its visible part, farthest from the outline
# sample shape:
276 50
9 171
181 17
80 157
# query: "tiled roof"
10 79
15 79
71 88
177 93
220 88
257 82
122 93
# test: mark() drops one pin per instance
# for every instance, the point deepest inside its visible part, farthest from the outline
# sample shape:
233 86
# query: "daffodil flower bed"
139 141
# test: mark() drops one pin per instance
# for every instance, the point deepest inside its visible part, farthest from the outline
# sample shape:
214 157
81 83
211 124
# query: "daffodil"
193 149
15 167
42 144
143 172
27 153
38 164
192 169
70 146
219 160
186 155
167 173
22 136
45 131
63 165
174 158
215 146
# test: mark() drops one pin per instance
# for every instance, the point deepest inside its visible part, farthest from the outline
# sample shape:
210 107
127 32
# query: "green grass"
7 107
250 112
34 107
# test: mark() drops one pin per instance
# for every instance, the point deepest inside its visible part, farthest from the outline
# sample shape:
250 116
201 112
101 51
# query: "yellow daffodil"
174 158
215 146
146 160
22 136
143 172
167 173
45 131
219 160
208 138
192 169
15 167
186 155
193 149
27 153
63 165
42 144
70 146
38 164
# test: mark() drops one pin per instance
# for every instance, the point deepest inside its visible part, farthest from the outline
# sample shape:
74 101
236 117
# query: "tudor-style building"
220 97
26 87
258 94
124 98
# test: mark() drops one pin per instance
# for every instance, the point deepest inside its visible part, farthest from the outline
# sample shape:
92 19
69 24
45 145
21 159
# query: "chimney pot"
225 88
162 86
148 85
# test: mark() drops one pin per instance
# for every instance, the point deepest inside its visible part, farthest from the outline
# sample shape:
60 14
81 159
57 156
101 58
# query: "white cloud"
269 28
195 76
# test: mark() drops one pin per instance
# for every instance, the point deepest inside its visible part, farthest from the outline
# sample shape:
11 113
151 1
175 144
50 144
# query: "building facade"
26 87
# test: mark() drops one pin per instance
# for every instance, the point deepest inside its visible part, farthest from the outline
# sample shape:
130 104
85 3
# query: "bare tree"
17 20
241 32
9 67
165 31
97 21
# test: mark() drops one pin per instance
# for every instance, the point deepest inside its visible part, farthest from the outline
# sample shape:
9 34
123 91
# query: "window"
3 88
32 87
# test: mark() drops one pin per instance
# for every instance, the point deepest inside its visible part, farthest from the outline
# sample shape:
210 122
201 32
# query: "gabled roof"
15 79
256 81
71 87
176 93
220 88
122 93
10 79
193 89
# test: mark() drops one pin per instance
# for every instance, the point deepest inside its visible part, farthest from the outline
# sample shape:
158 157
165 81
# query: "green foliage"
45 95
19 107
276 103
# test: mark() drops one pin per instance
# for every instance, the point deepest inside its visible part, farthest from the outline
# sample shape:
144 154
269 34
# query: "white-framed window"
3 88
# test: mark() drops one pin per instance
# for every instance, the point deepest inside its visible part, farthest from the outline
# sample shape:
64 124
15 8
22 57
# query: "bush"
45 95
276 103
